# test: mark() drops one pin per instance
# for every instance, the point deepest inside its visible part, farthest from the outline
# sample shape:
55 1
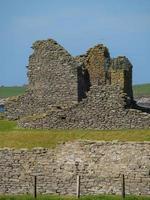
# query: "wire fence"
78 186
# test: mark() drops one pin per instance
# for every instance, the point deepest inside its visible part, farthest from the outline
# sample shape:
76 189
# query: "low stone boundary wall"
100 165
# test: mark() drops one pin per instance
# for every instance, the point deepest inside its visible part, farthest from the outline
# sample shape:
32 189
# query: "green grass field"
102 197
14 137
11 91
139 90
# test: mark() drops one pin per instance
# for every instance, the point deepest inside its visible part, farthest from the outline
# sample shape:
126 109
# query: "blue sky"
122 25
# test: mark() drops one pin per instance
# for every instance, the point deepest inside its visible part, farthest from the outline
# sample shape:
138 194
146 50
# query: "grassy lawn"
108 197
14 137
11 91
141 90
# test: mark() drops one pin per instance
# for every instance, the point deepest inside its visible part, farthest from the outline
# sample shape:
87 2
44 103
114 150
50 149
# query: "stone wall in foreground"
100 165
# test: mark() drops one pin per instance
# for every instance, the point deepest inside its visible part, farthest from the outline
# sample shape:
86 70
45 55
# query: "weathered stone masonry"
100 164
92 113
52 80
88 91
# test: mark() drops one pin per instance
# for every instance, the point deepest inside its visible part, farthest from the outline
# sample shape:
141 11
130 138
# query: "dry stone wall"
121 73
97 63
100 165
52 74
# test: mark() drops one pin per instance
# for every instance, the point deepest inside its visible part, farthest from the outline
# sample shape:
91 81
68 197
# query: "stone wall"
104 108
121 73
100 165
97 63
52 74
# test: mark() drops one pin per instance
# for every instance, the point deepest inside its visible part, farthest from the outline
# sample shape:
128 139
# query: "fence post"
35 187
78 186
123 186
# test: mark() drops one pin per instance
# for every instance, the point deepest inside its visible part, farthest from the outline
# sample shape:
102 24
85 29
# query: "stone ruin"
92 91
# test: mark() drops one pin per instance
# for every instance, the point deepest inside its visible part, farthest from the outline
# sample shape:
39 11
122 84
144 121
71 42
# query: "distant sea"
2 109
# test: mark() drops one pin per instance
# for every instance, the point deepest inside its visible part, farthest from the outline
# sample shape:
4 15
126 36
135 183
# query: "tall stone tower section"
52 74
97 63
121 74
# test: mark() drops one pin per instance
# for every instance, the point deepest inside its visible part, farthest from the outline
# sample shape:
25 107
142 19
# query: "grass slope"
14 137
141 90
102 197
11 91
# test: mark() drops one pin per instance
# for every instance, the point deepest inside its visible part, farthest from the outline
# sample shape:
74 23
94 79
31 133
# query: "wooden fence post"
78 186
35 187
123 186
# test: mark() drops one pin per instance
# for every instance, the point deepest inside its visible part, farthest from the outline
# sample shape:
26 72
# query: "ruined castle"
88 91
